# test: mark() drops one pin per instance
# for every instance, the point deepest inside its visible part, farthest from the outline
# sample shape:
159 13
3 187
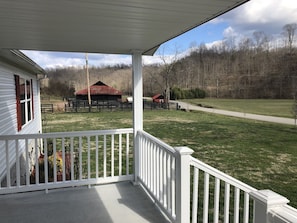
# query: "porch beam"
137 106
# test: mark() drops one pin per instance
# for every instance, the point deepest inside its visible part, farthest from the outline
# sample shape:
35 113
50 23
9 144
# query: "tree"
289 33
168 63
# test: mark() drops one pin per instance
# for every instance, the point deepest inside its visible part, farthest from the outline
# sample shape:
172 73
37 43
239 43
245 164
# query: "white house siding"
8 117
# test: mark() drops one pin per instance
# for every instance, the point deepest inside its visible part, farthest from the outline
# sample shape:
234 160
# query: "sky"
268 16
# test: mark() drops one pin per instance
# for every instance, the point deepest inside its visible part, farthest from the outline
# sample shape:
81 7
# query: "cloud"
48 60
268 16
229 32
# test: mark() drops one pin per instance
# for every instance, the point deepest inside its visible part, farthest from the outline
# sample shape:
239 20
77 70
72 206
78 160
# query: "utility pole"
88 82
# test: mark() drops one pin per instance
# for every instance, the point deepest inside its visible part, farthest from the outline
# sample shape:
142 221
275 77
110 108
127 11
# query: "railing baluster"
161 177
216 200
72 158
7 164
36 162
164 180
226 202
149 162
140 157
112 155
104 157
96 159
55 159
154 168
145 152
45 153
89 157
157 176
195 195
80 157
246 208
172 177
127 154
236 204
168 165
206 198
17 157
120 154
63 160
27 162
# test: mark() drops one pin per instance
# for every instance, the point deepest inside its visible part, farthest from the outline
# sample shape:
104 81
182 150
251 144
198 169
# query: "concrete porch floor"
119 202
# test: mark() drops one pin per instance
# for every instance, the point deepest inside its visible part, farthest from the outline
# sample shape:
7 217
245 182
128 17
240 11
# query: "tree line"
259 66
251 67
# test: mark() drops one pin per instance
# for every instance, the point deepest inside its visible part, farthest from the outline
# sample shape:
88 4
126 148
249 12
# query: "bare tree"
289 33
168 63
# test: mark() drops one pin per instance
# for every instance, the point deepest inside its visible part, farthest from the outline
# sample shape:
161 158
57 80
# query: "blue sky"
268 16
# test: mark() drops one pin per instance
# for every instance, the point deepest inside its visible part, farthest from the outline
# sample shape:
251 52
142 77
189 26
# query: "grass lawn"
261 154
274 107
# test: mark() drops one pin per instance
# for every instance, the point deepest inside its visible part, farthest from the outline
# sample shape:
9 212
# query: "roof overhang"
102 26
18 59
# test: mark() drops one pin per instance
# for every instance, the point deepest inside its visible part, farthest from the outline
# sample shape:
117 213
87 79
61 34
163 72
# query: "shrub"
177 93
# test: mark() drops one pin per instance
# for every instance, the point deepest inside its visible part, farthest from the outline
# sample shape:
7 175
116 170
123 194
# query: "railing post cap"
269 198
184 150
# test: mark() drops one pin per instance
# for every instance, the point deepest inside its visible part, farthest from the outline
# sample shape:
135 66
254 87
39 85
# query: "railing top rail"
66 134
219 174
170 149
285 212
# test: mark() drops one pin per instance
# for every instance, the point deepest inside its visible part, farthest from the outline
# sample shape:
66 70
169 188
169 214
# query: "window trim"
28 100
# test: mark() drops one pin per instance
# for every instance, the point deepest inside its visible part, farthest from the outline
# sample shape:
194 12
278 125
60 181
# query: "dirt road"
265 118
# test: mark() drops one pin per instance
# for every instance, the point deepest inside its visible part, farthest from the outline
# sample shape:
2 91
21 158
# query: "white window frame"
26 104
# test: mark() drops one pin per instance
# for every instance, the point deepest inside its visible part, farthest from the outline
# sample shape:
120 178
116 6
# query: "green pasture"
274 107
263 155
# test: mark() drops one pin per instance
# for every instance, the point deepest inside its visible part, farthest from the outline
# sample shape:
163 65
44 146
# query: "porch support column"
183 184
137 107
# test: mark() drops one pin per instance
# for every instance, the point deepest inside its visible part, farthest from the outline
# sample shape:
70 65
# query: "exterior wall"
8 114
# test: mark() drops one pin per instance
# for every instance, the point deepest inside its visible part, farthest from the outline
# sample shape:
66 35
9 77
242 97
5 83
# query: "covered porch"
168 183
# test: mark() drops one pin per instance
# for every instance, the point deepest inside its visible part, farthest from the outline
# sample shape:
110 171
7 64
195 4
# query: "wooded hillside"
255 67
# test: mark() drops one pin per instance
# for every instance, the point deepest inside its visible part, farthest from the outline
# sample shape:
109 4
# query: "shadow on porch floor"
120 202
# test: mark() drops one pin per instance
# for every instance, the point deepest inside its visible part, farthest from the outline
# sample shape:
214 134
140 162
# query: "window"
24 101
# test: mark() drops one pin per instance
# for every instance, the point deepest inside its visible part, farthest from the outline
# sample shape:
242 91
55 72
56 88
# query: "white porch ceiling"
102 26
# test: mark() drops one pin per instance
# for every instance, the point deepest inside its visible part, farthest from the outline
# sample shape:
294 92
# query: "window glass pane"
29 110
23 113
28 86
22 88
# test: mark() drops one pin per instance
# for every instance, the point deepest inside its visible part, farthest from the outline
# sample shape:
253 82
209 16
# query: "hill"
249 67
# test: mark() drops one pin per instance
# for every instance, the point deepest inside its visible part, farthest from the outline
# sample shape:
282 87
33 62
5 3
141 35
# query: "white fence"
65 159
157 172
184 188
221 197
188 190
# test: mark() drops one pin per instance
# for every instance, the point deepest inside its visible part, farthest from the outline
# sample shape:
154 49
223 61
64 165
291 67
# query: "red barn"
158 98
100 92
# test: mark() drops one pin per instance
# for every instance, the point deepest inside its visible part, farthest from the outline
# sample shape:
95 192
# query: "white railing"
184 188
53 160
218 197
168 173
157 172
188 190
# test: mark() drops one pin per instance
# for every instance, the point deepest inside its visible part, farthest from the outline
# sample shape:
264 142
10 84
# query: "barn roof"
157 96
99 88
102 26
